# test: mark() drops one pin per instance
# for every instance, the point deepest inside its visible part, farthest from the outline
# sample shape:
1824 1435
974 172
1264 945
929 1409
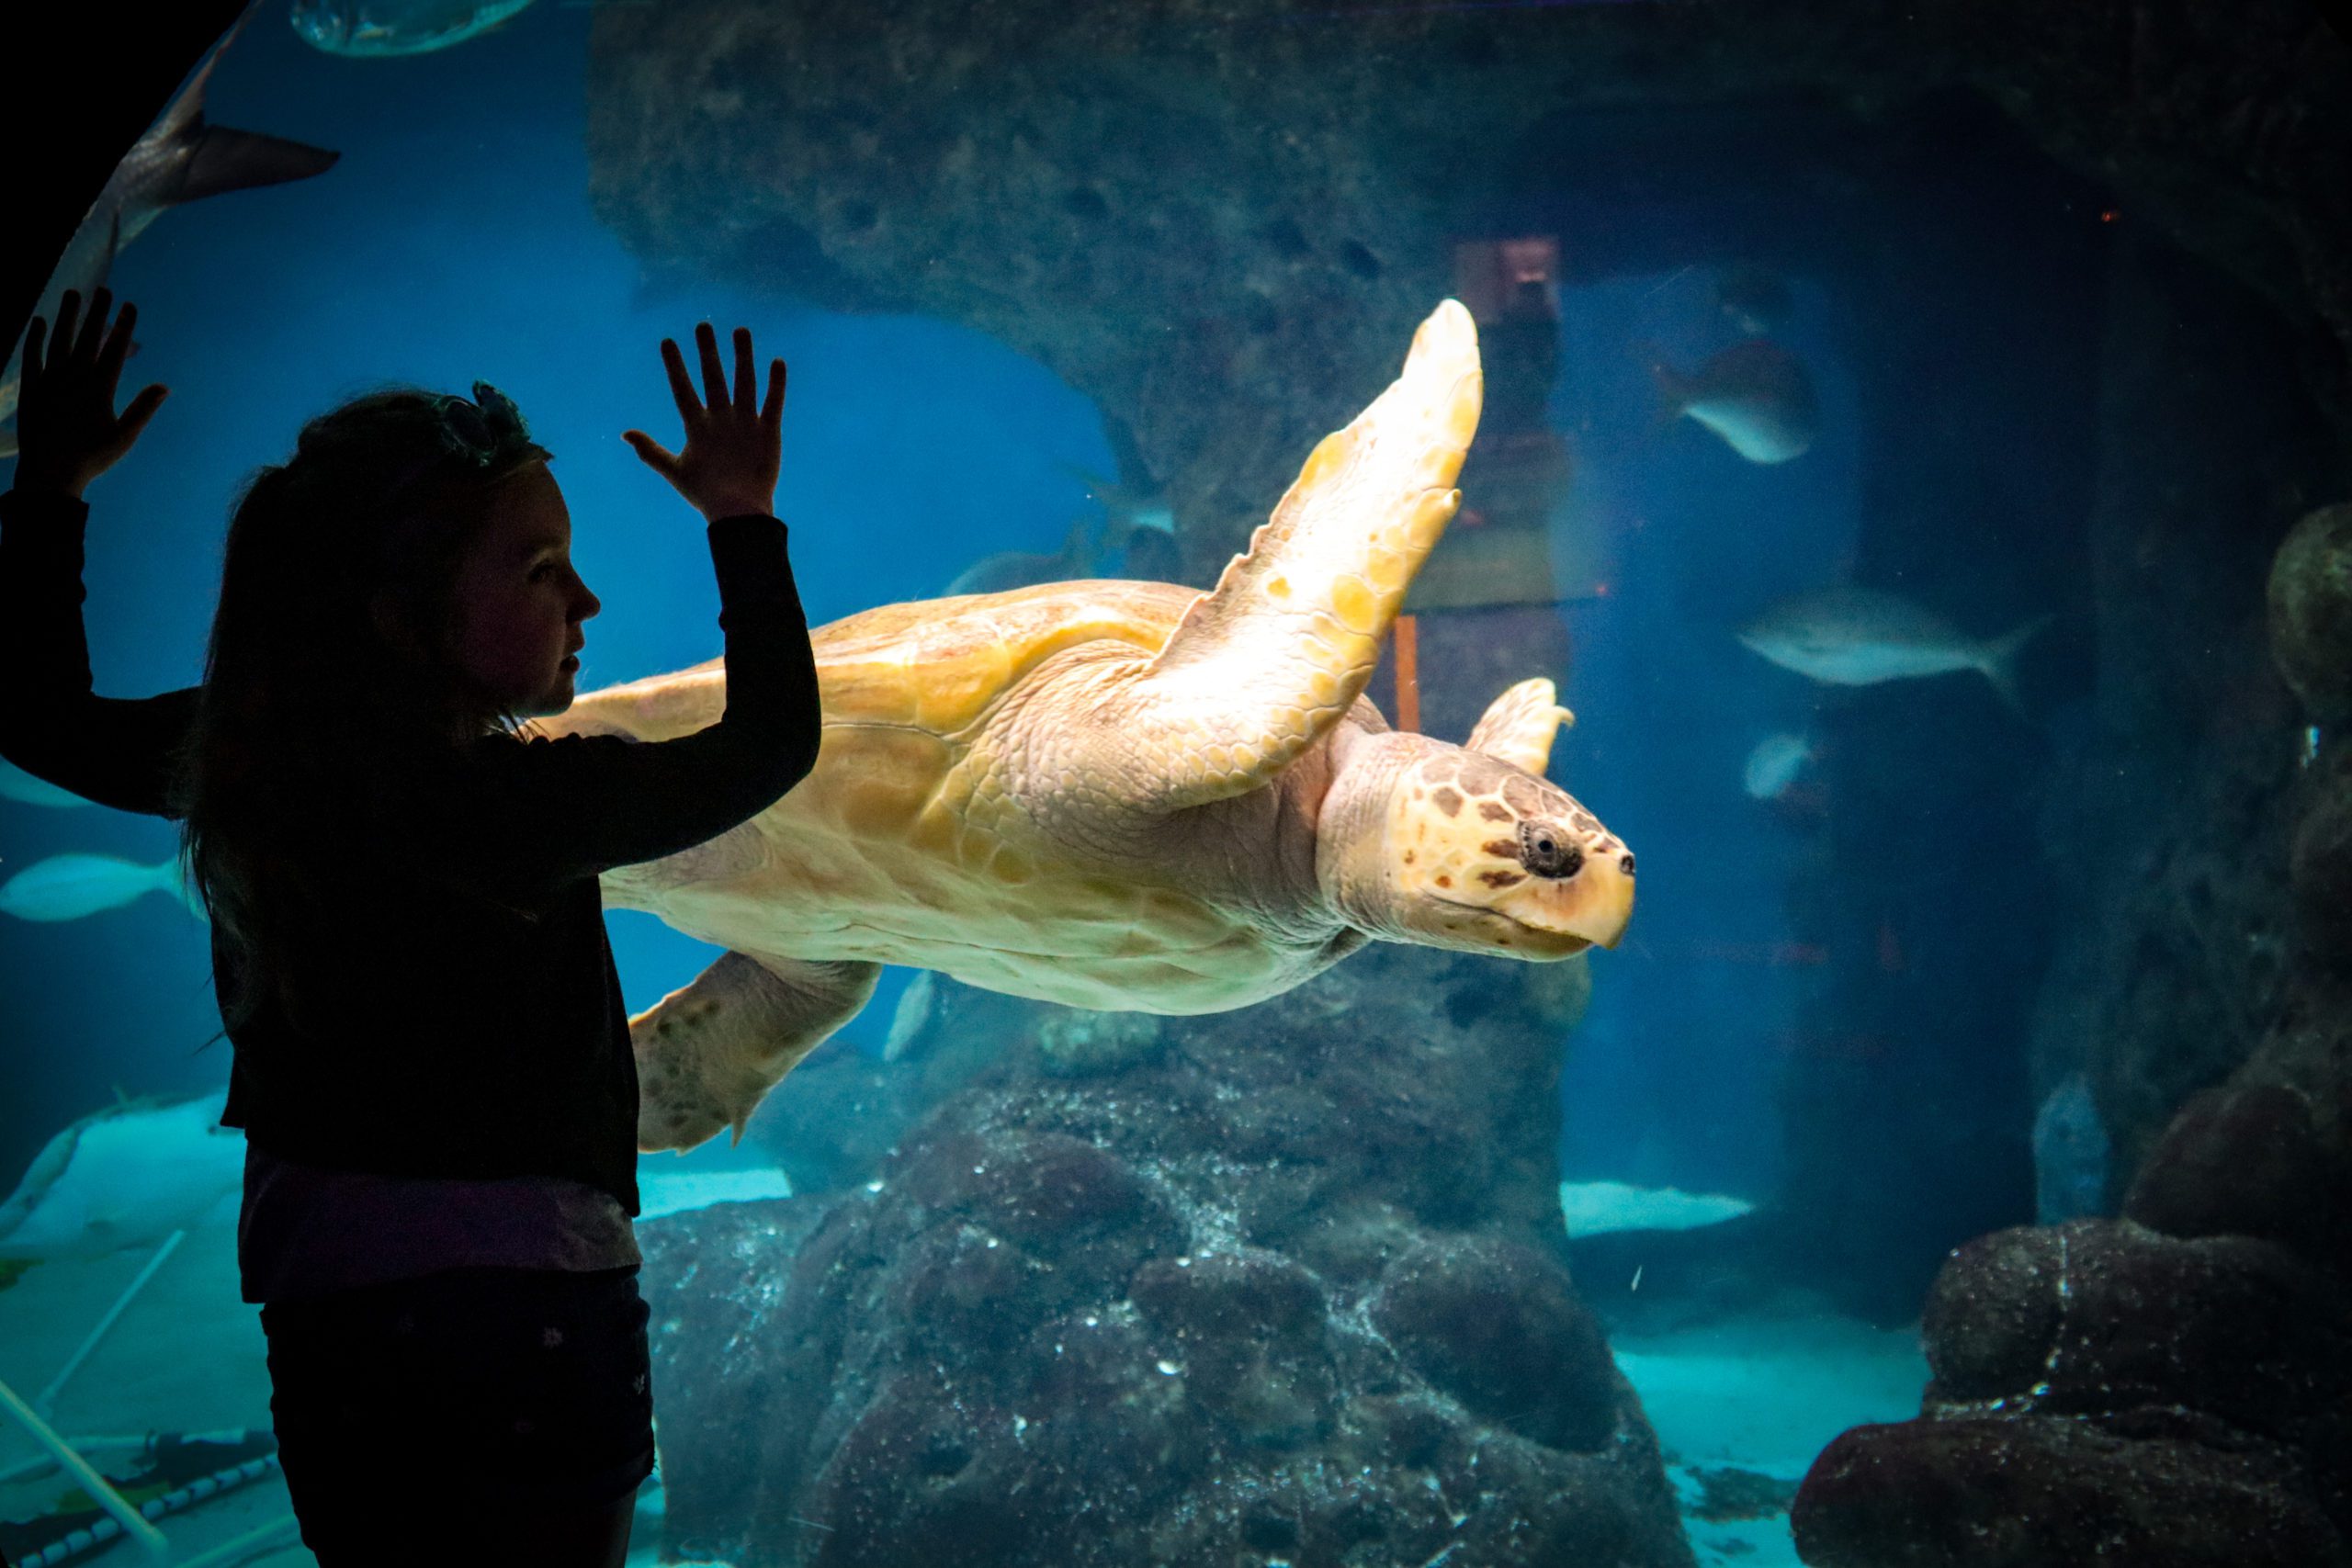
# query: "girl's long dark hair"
328 673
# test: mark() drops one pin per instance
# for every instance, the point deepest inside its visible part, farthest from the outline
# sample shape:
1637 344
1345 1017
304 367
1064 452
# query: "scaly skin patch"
1427 842
708 1053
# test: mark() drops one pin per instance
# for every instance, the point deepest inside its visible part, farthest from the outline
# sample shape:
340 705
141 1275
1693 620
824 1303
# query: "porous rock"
1993 1493
2310 611
2104 1393
1289 1288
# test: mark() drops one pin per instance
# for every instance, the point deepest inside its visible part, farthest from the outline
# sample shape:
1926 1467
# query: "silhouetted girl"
431 1061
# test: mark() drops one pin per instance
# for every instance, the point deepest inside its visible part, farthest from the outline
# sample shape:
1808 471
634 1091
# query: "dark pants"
428 1419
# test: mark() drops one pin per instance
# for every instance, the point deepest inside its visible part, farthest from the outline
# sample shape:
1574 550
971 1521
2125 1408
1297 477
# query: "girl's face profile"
519 604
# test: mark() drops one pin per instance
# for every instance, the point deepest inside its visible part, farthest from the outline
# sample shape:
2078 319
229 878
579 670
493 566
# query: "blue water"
455 242
911 448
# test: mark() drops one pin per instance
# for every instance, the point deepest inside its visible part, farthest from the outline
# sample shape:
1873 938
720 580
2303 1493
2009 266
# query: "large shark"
180 159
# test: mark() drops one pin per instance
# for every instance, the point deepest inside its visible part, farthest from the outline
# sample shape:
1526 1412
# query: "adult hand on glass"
67 430
734 447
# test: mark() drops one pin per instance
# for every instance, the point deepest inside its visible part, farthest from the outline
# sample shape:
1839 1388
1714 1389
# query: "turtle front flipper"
1519 726
1266 662
707 1054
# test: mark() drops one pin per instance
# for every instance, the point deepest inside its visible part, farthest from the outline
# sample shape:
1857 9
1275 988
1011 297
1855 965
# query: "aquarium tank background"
1916 449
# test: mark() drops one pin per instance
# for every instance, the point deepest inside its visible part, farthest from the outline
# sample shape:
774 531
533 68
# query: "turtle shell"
940 665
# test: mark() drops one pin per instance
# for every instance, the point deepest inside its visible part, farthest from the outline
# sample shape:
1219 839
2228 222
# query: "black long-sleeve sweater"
460 1013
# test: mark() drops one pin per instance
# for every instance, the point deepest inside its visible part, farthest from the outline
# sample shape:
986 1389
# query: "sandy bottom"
186 1355
1765 1396
1760 1395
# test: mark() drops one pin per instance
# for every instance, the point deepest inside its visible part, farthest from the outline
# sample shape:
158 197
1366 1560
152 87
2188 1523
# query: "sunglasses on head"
482 430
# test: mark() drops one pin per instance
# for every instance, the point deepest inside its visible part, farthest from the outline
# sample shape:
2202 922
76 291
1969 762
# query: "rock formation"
1286 1286
1217 217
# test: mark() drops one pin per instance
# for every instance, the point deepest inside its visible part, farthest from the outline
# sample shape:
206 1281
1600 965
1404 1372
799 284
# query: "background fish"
1137 537
1858 637
19 785
69 886
129 1176
1129 509
1753 298
917 1005
1754 395
1597 1208
1774 765
377 29
180 159
1004 570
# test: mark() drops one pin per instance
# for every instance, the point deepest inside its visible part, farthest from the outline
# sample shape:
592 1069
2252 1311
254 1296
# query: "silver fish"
179 160
1753 298
19 785
1599 1208
1006 569
1754 395
70 887
377 29
129 1176
1774 765
1130 510
1137 536
917 1005
1859 637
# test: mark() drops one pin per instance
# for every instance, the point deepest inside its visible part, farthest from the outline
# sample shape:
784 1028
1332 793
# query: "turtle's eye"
1546 852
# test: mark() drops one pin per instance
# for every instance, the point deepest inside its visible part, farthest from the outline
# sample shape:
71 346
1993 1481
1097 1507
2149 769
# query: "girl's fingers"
117 349
36 333
772 414
714 377
143 408
747 380
681 389
69 315
94 326
656 456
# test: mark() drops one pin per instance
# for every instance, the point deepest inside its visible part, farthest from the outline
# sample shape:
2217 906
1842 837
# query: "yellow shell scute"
1356 604
953 695
877 783
1461 414
1329 455
942 664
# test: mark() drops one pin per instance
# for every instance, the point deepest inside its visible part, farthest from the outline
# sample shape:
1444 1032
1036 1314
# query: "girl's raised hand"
67 430
734 447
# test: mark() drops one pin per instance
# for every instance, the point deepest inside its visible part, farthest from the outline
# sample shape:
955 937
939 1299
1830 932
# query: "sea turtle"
1123 796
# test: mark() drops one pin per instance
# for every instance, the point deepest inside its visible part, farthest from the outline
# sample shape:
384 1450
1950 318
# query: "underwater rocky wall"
1261 197
2172 1387
1279 1284
1156 198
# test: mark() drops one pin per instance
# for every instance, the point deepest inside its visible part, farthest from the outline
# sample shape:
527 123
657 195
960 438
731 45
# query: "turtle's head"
1426 842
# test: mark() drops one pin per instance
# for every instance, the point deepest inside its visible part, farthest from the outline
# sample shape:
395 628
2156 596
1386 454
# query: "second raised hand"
734 447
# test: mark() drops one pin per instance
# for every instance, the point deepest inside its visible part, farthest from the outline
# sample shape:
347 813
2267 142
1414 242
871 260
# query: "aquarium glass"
1856 461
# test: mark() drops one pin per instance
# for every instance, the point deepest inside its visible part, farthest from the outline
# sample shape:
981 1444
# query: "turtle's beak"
1577 889
1602 901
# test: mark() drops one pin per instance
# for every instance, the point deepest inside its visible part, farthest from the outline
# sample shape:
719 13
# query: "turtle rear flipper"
707 1054
1263 665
